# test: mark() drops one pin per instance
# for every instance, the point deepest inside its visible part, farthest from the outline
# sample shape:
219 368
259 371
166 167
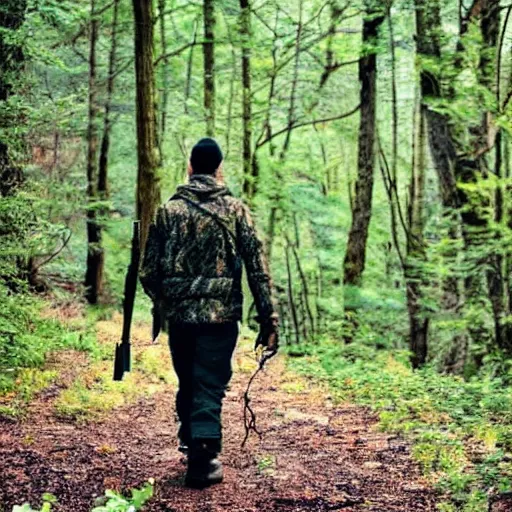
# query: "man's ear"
190 171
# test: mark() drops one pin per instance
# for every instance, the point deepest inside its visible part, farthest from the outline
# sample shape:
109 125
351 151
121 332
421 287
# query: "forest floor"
74 441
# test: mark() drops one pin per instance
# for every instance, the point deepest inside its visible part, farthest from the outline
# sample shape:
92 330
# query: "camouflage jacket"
192 266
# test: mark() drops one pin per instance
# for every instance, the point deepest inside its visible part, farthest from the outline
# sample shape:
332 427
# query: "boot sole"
200 483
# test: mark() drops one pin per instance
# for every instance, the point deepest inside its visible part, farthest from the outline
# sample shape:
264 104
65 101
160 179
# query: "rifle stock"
122 356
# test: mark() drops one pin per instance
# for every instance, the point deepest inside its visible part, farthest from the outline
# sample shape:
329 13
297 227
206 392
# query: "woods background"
371 138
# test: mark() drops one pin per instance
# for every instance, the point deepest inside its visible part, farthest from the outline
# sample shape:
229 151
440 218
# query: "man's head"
206 157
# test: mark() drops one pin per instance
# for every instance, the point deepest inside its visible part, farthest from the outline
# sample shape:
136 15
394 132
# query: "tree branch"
176 52
308 123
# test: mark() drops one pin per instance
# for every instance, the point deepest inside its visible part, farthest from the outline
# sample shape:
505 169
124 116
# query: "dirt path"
313 456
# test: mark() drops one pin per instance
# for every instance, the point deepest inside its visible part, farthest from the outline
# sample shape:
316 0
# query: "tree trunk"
182 138
148 186
305 294
496 273
444 154
295 81
428 29
165 76
249 185
12 16
232 83
95 254
291 299
209 65
472 166
355 256
107 123
418 323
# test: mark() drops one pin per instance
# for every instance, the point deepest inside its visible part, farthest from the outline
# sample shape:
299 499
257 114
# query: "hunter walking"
192 270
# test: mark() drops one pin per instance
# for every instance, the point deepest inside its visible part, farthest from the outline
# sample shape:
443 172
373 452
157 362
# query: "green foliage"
309 184
266 464
461 430
111 502
94 393
26 337
116 502
47 499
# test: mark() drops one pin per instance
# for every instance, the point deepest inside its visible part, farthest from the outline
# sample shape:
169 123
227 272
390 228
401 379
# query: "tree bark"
181 138
428 30
418 323
232 83
477 227
95 254
249 185
148 186
107 122
454 163
305 295
165 76
444 155
209 65
497 271
473 165
12 17
295 80
291 300
353 266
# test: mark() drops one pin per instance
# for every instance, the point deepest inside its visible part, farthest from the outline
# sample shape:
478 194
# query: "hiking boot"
204 469
182 447
200 476
184 440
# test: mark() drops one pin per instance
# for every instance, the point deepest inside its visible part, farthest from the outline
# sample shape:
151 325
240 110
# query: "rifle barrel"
122 357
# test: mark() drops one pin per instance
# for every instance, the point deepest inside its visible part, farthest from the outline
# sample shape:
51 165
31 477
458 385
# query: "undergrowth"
93 393
27 336
461 430
111 502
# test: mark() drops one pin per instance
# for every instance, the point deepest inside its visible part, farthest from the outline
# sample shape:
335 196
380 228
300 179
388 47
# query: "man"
192 271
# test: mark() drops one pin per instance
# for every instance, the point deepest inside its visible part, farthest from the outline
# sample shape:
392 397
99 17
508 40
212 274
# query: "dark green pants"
201 356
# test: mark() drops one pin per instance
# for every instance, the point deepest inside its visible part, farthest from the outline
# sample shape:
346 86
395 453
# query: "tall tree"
249 185
148 187
12 16
490 71
355 256
443 152
209 65
460 160
107 121
95 254
165 75
418 321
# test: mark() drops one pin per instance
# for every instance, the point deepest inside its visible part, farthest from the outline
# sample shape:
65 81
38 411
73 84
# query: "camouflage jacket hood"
193 258
201 188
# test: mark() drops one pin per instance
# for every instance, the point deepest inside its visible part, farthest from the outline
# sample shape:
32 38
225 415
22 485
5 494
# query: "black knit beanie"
206 157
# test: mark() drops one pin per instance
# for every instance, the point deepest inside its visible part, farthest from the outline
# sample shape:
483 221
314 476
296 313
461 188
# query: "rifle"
122 359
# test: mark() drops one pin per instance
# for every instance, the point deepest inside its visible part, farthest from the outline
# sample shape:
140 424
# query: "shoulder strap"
211 214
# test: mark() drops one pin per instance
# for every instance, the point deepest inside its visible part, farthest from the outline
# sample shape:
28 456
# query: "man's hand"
268 336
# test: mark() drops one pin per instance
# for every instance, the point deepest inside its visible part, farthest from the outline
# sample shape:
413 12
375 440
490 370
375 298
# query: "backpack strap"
228 233
211 214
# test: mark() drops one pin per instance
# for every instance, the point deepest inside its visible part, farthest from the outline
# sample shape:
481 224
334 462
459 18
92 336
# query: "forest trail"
314 455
